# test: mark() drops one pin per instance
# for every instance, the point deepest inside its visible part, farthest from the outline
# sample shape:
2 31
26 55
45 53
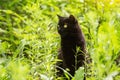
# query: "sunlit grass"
29 41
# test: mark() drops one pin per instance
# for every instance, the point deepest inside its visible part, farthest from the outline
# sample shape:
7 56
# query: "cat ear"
72 18
59 16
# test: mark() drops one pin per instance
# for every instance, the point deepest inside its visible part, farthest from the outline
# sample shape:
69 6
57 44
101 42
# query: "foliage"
29 41
77 74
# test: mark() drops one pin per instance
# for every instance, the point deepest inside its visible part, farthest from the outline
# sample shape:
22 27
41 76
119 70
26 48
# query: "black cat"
72 38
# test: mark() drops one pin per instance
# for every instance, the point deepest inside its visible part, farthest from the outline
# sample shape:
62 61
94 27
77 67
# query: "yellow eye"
65 26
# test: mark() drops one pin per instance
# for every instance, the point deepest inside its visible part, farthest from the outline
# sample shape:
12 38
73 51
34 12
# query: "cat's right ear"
59 17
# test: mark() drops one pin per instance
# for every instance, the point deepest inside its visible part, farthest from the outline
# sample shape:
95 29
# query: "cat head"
66 25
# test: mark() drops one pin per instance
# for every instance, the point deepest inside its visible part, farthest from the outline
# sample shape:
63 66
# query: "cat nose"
58 27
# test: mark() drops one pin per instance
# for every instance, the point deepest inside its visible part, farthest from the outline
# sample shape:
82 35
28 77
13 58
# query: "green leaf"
79 74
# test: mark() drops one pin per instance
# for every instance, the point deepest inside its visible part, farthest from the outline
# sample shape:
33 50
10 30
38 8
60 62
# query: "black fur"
71 39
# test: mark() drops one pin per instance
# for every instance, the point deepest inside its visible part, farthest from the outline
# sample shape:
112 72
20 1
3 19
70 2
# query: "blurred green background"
29 41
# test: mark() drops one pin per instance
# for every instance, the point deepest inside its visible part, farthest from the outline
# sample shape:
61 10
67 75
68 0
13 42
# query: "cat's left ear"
72 18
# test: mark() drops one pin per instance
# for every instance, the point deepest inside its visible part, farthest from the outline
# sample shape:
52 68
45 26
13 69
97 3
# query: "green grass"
29 41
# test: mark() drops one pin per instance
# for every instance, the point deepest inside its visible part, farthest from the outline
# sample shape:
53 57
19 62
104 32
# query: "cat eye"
65 25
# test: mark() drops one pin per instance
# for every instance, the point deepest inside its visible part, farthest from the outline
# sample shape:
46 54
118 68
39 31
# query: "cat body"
72 38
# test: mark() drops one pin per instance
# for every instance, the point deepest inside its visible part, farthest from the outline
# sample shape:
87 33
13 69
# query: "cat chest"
68 49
